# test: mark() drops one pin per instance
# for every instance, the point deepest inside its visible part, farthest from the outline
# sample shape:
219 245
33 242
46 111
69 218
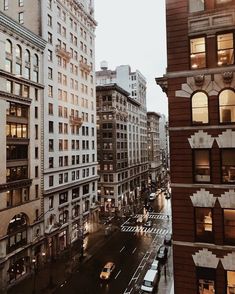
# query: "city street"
132 249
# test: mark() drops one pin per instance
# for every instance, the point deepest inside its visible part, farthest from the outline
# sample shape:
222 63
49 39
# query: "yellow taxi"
107 271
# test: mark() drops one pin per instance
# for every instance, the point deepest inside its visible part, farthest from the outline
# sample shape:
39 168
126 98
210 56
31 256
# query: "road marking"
129 229
117 275
122 249
134 250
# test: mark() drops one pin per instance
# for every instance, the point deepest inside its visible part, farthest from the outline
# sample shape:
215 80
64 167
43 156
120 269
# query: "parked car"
162 253
167 239
150 281
155 265
107 271
148 223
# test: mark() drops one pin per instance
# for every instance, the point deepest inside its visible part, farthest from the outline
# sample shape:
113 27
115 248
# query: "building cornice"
196 245
211 127
112 87
10 96
9 25
208 186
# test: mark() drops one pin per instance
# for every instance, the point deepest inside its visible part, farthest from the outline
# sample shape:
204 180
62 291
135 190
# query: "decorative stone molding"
226 139
199 80
228 262
227 77
201 140
227 200
205 258
203 198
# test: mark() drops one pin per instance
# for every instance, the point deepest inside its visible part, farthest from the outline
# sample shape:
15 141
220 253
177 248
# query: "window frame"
221 165
191 107
224 33
226 241
196 11
190 53
219 106
210 166
197 238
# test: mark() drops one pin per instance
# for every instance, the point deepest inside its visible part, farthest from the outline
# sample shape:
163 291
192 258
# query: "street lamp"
34 278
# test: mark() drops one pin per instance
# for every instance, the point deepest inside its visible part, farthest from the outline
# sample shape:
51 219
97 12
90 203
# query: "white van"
152 196
149 281
155 265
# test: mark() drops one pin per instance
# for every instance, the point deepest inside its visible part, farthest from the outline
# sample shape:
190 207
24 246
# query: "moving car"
162 253
152 196
107 271
167 239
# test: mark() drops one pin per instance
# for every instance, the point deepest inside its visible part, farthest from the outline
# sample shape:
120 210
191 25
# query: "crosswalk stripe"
129 229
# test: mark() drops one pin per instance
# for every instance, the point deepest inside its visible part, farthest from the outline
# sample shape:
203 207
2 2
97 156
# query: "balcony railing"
85 66
63 53
75 121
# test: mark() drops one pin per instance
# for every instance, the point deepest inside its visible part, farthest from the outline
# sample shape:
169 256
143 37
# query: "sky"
133 32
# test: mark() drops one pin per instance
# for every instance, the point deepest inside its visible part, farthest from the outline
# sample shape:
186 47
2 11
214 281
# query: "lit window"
198 53
21 17
6 4
227 106
21 3
199 108
228 166
196 5
230 282
202 165
203 217
229 226
225 51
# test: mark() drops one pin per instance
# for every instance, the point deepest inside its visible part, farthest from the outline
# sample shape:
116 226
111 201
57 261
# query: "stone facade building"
200 86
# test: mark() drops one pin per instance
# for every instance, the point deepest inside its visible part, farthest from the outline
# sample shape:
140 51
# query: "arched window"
227 106
18 52
8 47
35 60
27 56
199 108
8 57
17 231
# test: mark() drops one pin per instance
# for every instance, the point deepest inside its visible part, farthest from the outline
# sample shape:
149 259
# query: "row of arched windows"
200 112
27 57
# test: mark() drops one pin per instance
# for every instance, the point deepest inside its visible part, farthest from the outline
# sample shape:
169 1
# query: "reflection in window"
230 282
225 53
228 166
198 53
202 165
199 108
229 226
227 106
203 224
196 5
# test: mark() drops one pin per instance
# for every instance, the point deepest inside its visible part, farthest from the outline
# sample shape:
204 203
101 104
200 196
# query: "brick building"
200 86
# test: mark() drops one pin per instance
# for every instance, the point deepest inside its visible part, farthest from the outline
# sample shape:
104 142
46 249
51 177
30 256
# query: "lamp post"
34 278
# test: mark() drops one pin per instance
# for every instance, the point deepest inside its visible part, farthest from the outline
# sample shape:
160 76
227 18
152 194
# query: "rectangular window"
206 280
196 5
225 49
21 3
228 166
21 17
203 218
202 165
51 181
229 226
198 53
6 4
230 282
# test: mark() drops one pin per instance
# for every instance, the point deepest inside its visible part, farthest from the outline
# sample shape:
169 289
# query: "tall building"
21 113
200 86
154 152
69 180
135 84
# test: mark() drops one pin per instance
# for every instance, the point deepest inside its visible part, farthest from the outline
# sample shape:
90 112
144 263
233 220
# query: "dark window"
204 224
198 53
202 165
228 166
85 189
63 197
206 280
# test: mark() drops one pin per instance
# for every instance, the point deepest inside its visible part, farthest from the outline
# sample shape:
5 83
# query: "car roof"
152 194
109 264
150 275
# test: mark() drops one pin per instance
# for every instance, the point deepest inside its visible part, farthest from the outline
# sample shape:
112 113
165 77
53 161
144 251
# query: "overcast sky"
133 32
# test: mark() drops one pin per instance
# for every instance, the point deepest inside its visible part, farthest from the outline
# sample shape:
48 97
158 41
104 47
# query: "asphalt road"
132 249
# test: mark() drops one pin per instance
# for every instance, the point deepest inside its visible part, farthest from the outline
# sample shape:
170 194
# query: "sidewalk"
54 274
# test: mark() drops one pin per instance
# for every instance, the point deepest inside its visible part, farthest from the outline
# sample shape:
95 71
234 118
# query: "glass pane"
230 282
199 108
229 225
197 53
206 286
225 49
196 5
